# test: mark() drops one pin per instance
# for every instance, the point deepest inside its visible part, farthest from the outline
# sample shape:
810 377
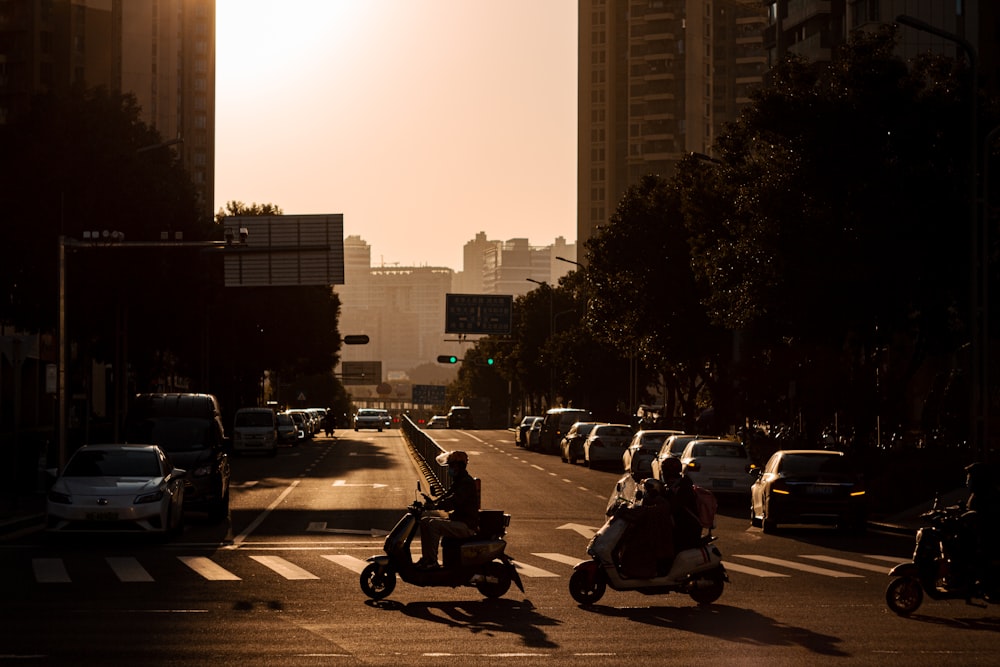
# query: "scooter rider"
648 545
683 507
979 524
455 514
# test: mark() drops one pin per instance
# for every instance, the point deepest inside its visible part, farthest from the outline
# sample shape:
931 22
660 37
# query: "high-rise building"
657 80
161 51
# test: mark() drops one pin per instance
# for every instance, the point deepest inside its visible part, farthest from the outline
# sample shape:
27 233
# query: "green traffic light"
489 362
447 359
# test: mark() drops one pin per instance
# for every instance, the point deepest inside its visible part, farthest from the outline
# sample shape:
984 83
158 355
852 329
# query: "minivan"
557 423
188 427
255 430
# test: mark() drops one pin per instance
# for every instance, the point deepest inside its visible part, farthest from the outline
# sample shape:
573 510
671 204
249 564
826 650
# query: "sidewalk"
28 511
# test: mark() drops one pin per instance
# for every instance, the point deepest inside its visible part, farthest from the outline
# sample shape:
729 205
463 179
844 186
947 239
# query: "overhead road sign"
286 250
478 313
361 372
428 394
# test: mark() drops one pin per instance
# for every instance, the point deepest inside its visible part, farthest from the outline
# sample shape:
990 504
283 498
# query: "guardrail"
427 451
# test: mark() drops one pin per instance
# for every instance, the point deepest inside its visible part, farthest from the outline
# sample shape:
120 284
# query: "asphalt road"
277 584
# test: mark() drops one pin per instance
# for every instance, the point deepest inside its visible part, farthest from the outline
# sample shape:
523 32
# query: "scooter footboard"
690 561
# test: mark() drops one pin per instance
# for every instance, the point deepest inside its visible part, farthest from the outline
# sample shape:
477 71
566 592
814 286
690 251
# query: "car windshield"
176 434
104 463
254 419
733 451
807 464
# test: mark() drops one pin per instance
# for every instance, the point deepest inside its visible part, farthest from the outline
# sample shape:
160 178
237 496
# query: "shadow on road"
487 617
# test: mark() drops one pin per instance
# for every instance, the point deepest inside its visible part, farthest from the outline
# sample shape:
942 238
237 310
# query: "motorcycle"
938 568
696 572
478 561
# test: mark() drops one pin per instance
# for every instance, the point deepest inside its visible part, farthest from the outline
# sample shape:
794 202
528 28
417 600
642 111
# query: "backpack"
706 506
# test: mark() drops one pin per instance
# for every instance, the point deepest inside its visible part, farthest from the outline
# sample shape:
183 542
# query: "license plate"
821 490
722 483
102 516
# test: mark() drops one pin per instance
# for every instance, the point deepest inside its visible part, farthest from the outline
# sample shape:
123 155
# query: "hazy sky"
422 121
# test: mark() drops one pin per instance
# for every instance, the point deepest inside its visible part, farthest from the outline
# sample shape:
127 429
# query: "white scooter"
696 572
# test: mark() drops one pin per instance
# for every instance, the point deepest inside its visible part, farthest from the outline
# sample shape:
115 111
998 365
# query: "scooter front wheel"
377 583
586 587
904 595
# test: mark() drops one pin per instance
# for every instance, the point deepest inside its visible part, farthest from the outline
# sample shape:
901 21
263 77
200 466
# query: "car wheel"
754 521
768 526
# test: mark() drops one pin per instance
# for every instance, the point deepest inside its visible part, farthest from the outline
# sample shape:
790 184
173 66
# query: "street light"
979 432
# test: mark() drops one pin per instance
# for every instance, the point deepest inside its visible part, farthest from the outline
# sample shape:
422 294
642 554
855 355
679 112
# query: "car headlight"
60 498
153 497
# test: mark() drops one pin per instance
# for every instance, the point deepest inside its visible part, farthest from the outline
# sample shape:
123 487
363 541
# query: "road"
277 584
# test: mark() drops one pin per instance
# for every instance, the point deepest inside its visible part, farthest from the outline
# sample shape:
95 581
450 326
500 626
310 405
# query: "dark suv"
460 416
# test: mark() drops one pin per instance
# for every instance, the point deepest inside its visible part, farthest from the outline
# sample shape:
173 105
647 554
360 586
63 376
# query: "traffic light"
447 359
486 361
489 361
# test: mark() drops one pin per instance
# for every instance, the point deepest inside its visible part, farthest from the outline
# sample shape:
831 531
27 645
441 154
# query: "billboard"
285 250
478 313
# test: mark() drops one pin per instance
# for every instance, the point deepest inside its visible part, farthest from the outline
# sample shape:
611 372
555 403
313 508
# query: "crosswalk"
130 569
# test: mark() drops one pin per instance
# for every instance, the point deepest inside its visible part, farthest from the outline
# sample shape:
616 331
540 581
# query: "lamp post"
979 433
552 371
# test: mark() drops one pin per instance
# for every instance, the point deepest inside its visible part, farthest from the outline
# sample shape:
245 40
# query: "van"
460 416
188 427
255 430
556 424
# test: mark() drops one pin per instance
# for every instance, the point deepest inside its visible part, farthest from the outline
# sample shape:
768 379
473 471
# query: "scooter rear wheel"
376 583
712 591
904 595
587 589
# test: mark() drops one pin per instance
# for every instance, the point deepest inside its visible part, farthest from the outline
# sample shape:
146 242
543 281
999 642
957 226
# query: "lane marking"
208 568
798 566
560 558
285 568
352 563
752 571
881 569
532 571
263 515
128 569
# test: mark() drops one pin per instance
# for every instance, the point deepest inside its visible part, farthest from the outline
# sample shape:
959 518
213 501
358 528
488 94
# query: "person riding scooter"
979 539
647 546
683 507
455 514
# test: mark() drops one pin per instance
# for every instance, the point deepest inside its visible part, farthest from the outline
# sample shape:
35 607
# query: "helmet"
652 487
452 458
671 467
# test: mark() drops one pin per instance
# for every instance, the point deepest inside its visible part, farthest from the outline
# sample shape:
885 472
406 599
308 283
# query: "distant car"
557 423
110 488
571 447
386 418
288 432
721 466
809 486
535 433
521 431
460 416
308 422
637 459
438 421
255 430
369 418
299 419
606 443
673 448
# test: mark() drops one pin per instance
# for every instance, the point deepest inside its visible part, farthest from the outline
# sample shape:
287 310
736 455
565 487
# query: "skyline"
485 142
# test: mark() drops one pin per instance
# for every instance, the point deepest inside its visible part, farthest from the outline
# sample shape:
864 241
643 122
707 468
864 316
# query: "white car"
606 444
721 466
438 421
110 488
369 418
638 458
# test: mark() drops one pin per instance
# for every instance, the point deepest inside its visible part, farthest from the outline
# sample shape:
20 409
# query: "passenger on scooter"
455 514
647 546
683 506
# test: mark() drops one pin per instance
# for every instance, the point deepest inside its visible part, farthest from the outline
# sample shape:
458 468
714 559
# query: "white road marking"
208 568
263 515
792 565
888 559
128 569
532 571
881 569
50 571
283 567
561 558
352 563
736 567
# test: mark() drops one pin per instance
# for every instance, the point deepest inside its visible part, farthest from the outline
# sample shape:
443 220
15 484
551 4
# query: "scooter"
695 572
478 561
937 568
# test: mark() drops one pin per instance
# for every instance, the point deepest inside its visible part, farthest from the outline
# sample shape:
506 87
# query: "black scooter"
938 568
477 561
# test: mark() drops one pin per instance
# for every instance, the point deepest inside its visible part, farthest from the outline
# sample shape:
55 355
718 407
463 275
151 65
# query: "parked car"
721 466
309 425
606 443
637 459
188 428
369 418
814 486
557 423
299 419
521 431
107 488
288 431
535 433
460 416
673 448
438 421
571 447
255 430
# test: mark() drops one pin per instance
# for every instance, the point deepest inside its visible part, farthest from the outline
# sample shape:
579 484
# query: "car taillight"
779 487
